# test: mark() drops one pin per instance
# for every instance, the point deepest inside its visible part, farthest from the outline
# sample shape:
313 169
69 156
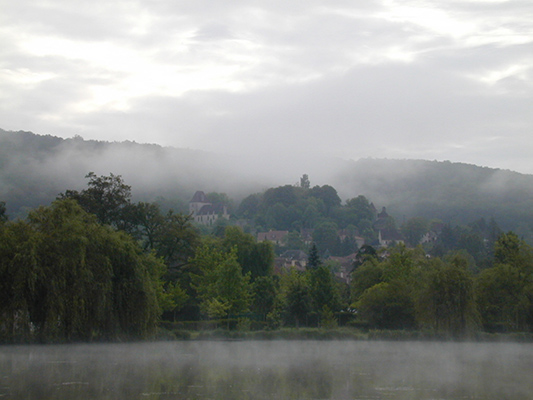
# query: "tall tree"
296 296
324 291
256 258
313 261
446 301
414 229
327 194
265 291
107 197
326 238
3 214
220 284
70 278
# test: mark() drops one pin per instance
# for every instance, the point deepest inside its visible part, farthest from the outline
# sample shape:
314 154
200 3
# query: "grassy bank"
178 333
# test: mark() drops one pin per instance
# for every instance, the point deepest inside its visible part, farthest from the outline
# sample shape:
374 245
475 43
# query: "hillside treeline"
34 168
317 214
94 265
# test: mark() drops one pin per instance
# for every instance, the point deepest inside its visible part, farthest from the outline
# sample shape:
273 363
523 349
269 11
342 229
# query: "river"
268 370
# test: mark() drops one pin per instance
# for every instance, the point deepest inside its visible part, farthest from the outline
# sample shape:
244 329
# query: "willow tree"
446 301
505 291
67 277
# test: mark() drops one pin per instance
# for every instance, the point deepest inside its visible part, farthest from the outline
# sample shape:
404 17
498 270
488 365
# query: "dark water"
268 370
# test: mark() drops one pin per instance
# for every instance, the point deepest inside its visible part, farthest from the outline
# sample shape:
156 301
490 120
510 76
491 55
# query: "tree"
326 238
294 241
296 296
388 305
358 209
313 261
285 195
265 291
304 181
147 222
70 278
249 206
363 254
310 216
3 214
509 249
365 276
220 284
106 197
253 257
327 194
505 291
504 299
175 242
446 300
324 291
413 230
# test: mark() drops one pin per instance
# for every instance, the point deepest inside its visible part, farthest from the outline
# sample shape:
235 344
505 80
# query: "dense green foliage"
66 277
95 265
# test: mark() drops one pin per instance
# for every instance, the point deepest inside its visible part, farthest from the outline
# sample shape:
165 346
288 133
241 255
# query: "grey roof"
199 197
211 209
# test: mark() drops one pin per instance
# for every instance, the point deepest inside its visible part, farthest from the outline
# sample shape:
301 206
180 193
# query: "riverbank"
337 334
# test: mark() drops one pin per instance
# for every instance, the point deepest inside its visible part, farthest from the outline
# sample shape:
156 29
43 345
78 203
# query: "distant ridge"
34 169
453 192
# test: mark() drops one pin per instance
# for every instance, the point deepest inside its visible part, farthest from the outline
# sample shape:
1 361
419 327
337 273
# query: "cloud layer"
284 83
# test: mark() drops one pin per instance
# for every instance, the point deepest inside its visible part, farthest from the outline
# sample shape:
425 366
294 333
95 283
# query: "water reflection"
268 370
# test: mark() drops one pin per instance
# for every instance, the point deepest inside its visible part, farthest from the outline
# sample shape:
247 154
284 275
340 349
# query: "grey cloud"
317 80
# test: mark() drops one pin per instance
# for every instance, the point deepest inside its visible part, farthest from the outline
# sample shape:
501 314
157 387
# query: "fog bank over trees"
35 168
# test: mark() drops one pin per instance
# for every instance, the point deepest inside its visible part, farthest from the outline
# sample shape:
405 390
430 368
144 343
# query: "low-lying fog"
268 370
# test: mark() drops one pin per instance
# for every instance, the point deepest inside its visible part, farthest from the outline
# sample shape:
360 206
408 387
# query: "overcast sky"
437 80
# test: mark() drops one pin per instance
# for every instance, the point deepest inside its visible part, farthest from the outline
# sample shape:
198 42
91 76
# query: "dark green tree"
324 290
413 229
313 261
388 305
327 194
70 278
220 284
326 238
304 182
356 210
286 195
296 297
505 291
446 301
256 258
265 291
368 274
107 197
249 206
3 213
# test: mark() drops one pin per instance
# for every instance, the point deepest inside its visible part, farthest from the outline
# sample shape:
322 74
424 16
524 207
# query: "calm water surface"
268 370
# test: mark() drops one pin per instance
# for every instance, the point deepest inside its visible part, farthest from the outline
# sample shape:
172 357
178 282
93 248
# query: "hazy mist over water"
268 370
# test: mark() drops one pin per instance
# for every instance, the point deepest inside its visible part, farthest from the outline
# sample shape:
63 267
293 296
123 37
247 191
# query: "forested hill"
34 169
454 192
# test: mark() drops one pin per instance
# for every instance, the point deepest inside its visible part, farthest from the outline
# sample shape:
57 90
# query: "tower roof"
199 197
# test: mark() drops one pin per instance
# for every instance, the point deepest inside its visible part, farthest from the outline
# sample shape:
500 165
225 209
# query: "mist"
268 370
50 165
35 169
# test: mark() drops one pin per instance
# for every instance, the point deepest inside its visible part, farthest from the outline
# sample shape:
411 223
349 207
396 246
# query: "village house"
276 237
296 259
387 233
204 212
345 266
